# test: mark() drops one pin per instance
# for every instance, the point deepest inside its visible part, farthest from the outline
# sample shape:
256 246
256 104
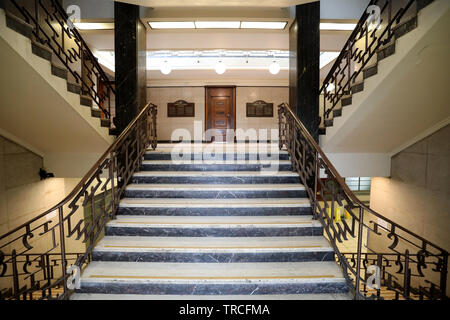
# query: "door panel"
220 110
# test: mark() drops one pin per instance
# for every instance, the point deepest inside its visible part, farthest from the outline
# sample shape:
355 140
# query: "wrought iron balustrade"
410 266
35 256
52 28
373 31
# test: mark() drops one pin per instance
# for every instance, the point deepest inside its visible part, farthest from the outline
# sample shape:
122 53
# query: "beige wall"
417 196
22 194
163 95
166 125
275 95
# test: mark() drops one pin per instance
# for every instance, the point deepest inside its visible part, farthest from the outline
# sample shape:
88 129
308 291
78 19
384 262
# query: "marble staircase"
217 226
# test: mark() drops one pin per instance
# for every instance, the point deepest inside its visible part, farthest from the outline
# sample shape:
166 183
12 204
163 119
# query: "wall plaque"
260 108
181 108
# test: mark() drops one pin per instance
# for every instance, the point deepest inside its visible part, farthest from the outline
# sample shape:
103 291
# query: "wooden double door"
220 113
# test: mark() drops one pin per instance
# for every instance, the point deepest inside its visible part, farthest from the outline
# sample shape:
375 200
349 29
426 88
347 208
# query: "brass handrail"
118 162
308 159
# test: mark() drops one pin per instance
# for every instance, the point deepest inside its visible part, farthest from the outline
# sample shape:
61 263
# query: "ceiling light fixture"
166 68
330 87
217 24
220 67
172 24
275 25
274 67
337 26
279 25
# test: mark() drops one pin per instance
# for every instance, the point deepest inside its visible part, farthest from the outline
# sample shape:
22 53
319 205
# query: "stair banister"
308 159
61 224
343 72
40 14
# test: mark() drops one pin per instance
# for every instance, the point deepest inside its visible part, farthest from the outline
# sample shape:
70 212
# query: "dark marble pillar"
130 63
304 50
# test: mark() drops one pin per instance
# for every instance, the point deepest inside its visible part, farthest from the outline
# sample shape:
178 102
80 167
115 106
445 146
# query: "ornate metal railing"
35 256
421 265
376 28
52 28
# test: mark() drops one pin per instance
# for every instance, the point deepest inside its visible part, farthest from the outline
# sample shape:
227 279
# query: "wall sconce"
44 174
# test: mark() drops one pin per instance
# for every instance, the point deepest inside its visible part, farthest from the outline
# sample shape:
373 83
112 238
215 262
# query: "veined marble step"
223 191
218 147
216 155
213 250
310 296
215 177
217 165
215 207
214 226
212 278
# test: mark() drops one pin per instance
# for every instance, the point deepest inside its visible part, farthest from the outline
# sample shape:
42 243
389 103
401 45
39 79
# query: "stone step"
213 250
214 177
215 207
191 155
212 278
306 296
215 191
214 226
218 165
219 147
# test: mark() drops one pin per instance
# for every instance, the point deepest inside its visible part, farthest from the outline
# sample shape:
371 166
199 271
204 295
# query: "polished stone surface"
223 191
214 207
304 43
221 177
311 296
130 72
214 226
213 250
237 165
213 278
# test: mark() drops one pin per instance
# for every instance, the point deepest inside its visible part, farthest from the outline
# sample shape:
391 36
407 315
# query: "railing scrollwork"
410 266
35 257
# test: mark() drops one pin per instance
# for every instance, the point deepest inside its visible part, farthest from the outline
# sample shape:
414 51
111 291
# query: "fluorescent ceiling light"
337 26
217 24
171 24
94 25
263 24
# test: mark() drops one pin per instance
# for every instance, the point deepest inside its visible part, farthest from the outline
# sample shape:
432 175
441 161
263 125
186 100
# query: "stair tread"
306 296
213 221
215 161
214 187
212 203
213 174
248 272
213 244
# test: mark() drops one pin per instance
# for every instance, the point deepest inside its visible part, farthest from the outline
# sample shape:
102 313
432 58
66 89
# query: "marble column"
304 55
130 63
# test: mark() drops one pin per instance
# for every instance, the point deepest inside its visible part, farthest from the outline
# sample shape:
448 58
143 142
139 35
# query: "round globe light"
220 67
274 67
330 87
166 68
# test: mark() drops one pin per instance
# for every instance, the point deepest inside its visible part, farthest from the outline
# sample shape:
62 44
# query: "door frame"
233 87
